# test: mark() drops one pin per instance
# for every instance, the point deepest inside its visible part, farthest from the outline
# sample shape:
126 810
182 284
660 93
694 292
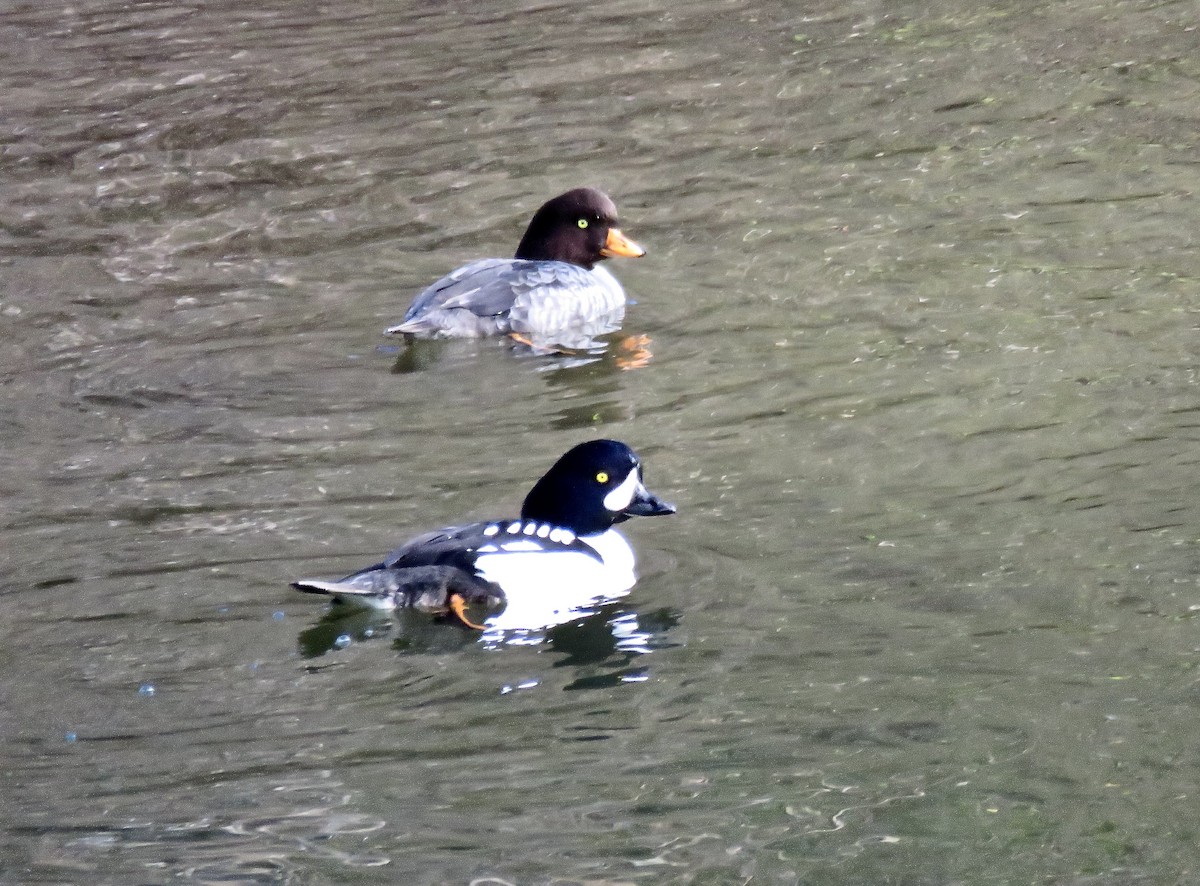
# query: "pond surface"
923 292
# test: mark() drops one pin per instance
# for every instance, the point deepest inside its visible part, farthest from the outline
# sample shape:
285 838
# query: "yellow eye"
602 477
583 223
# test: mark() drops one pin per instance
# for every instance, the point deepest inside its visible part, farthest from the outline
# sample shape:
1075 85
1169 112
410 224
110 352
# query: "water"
921 289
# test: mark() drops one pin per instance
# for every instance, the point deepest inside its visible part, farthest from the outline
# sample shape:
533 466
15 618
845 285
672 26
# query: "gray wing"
496 296
485 288
471 301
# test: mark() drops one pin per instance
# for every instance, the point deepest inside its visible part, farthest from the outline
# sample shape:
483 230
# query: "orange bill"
618 244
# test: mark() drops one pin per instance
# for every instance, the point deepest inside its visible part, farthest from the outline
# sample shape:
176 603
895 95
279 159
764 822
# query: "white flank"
549 588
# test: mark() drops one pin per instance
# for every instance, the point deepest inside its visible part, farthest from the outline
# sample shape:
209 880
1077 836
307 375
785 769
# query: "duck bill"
646 504
618 245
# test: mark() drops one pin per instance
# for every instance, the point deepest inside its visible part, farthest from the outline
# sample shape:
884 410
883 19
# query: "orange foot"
522 339
458 605
636 351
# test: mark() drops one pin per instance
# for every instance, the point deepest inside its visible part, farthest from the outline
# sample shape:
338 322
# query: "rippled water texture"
922 295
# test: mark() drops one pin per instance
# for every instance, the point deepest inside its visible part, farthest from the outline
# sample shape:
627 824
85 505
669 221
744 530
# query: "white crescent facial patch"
620 497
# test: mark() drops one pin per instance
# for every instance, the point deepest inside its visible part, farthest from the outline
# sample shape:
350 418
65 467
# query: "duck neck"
542 244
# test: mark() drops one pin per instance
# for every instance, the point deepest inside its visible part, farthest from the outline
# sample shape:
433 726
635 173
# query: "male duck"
551 294
548 566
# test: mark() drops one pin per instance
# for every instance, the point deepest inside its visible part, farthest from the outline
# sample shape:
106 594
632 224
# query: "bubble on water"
146 690
70 737
342 641
278 615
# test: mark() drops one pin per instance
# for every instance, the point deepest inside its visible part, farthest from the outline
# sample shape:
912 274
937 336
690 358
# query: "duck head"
579 227
593 486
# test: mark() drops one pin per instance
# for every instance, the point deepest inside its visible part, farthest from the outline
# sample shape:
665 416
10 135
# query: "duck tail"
319 586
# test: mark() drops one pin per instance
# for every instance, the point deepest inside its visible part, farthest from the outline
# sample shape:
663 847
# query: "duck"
554 562
551 295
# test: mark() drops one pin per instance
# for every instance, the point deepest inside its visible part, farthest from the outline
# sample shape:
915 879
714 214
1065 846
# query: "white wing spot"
521 545
514 528
530 528
486 549
543 531
491 530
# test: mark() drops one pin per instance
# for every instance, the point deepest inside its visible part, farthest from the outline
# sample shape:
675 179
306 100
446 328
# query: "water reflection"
923 289
585 396
617 352
611 631
407 631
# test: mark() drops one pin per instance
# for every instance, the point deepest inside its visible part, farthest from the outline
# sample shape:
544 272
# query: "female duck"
552 293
